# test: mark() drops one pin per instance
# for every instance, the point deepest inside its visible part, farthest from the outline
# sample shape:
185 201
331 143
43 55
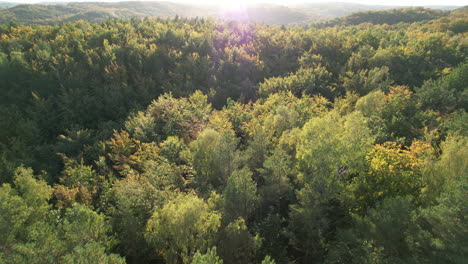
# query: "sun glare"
232 7
226 4
235 9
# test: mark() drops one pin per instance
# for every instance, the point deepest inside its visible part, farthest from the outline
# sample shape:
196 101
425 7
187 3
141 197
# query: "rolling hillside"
329 14
7 4
390 17
338 9
343 9
95 12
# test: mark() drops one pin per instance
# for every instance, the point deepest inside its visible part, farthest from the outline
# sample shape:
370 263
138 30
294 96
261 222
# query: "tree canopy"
204 141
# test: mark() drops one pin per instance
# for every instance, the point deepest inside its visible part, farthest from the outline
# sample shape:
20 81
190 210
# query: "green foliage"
447 93
168 116
393 171
268 260
209 257
328 143
172 148
457 123
366 81
304 81
371 103
393 16
449 166
34 233
22 205
393 116
135 198
92 252
182 227
446 235
277 171
212 155
237 244
401 113
384 235
201 141
274 236
240 195
330 150
395 232
80 222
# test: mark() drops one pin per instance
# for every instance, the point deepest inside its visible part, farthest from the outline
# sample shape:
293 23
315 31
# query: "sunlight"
233 9
231 6
226 3
228 6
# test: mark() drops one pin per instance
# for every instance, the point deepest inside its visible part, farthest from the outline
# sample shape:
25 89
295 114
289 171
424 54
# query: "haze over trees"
201 141
99 12
273 14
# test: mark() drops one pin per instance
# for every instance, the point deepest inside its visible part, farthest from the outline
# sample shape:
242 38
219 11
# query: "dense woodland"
101 11
390 17
203 141
271 14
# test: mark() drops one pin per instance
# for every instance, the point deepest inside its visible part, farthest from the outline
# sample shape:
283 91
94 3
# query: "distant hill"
327 14
96 12
270 14
49 14
391 16
442 7
462 9
338 9
342 9
7 4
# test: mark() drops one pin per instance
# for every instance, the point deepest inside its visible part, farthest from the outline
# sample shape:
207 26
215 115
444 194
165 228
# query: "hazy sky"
231 2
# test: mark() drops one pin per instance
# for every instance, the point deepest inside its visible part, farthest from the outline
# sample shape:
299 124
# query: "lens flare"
233 10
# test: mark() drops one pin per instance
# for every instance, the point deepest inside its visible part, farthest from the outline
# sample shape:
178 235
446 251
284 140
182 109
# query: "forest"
101 11
267 13
194 140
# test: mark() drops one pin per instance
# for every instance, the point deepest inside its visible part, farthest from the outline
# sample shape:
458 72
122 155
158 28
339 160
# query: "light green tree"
330 150
212 156
210 257
92 253
35 233
268 260
240 195
21 205
182 227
